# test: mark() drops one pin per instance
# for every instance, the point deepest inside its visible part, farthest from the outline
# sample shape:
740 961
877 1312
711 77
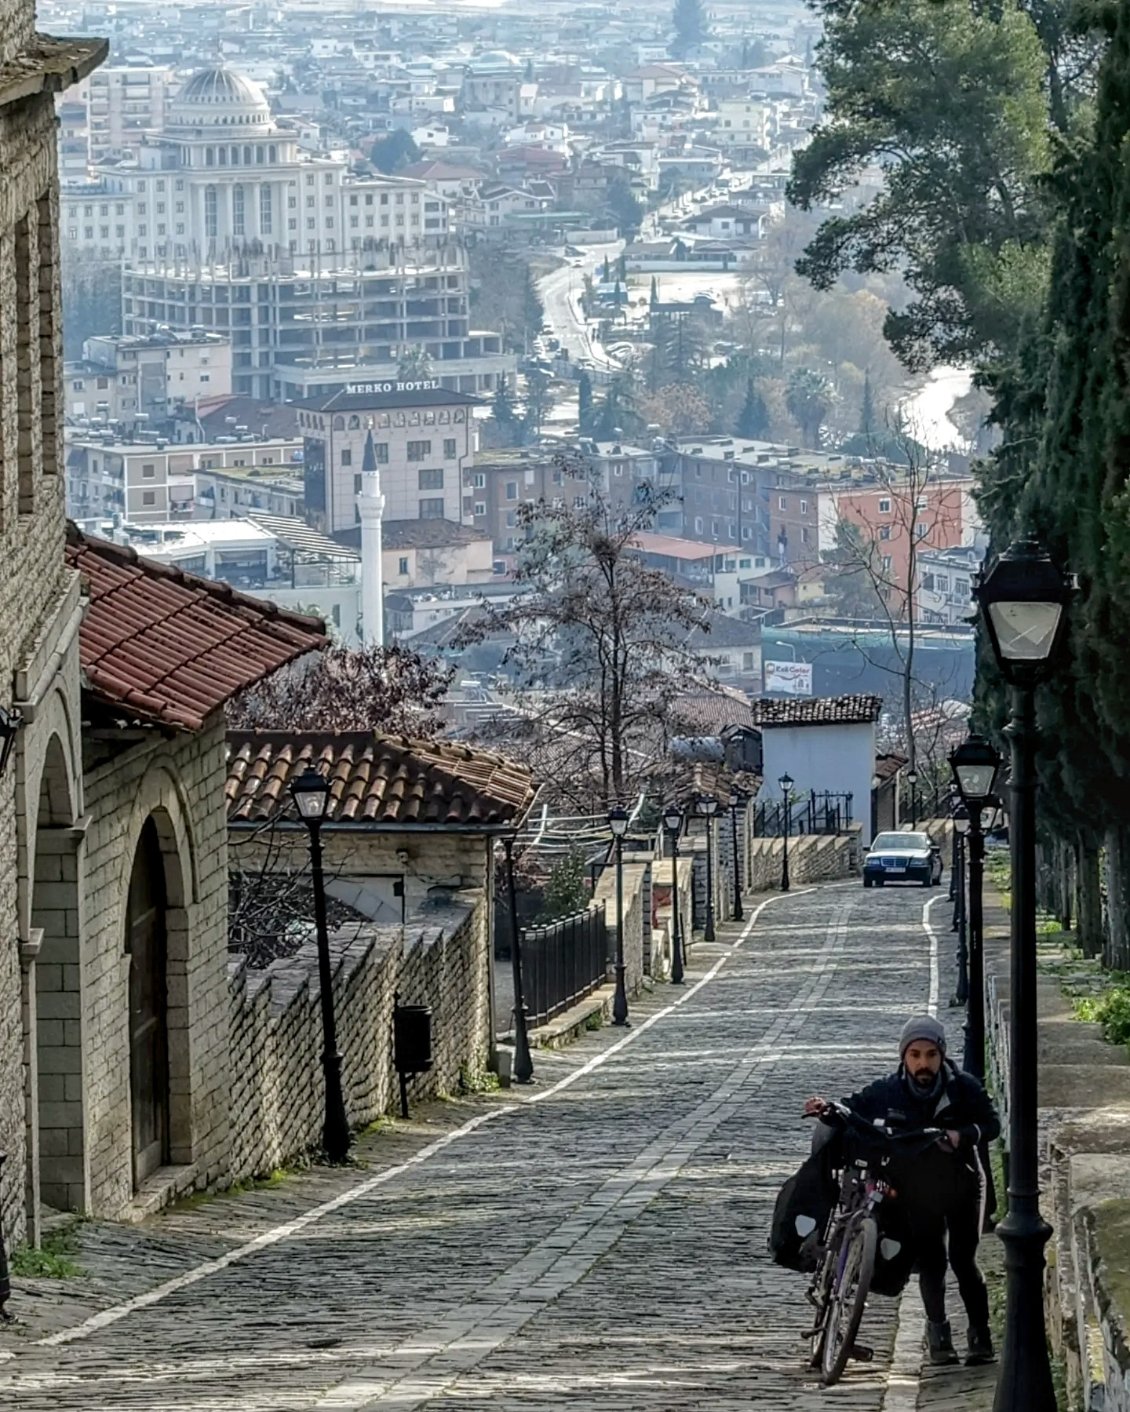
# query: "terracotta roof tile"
171 647
817 710
375 779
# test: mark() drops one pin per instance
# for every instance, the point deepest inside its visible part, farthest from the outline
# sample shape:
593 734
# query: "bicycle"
850 1243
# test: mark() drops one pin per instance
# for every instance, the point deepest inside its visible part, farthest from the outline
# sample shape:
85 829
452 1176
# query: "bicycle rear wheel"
848 1299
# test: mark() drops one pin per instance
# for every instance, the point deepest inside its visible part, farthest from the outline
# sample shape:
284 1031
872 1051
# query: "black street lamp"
735 805
975 764
523 1061
1022 601
960 829
673 823
618 823
912 780
311 794
786 783
707 806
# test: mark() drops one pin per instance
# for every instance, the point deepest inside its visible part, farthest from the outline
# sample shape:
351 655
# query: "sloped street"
601 1235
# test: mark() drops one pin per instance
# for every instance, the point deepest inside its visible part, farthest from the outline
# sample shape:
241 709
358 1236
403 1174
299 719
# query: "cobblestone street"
599 1235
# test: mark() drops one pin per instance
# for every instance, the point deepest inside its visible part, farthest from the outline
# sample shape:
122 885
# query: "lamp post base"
1025 1381
677 963
335 1129
620 999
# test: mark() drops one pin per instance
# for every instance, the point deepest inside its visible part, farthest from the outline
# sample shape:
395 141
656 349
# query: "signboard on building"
789 678
364 389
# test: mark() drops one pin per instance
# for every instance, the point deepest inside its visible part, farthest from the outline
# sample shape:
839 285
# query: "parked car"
903 856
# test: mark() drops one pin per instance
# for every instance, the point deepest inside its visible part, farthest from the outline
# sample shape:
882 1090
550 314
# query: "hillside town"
562 578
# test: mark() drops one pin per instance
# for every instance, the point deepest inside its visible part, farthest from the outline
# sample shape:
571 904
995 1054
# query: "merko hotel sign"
363 389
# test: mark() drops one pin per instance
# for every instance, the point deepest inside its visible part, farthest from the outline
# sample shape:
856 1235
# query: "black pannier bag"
800 1216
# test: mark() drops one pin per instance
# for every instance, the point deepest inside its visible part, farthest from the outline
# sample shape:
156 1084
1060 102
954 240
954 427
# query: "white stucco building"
826 744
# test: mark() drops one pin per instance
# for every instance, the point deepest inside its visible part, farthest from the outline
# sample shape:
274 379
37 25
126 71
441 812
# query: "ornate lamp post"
912 780
618 823
673 823
1022 601
975 765
786 783
707 806
735 805
311 794
523 1062
960 830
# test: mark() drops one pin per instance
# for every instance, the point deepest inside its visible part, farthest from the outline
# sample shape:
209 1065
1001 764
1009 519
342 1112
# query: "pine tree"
753 420
653 298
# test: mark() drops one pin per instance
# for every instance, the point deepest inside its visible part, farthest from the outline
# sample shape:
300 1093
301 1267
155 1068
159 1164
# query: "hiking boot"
939 1345
980 1348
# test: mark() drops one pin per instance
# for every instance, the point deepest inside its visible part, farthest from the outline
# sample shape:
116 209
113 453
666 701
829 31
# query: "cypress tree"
867 407
753 419
584 403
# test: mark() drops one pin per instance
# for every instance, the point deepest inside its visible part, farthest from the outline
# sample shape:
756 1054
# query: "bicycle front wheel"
848 1299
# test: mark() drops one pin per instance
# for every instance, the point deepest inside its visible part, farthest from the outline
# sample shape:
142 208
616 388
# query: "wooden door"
148 1007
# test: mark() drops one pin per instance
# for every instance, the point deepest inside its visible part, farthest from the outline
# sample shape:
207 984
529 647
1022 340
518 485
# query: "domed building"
225 226
492 83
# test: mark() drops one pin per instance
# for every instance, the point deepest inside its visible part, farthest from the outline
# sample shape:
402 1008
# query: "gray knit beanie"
922 1027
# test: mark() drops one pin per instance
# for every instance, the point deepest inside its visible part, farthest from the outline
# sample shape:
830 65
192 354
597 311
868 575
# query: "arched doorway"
146 945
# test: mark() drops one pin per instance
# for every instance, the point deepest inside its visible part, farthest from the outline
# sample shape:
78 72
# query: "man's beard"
924 1078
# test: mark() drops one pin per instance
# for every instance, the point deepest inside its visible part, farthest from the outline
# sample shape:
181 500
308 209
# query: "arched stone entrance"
146 942
55 914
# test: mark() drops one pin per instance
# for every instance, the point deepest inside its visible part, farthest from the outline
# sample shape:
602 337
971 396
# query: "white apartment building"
742 122
124 379
419 436
153 481
124 102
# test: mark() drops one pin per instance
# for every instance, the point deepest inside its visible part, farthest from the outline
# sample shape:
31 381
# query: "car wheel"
926 881
866 882
879 882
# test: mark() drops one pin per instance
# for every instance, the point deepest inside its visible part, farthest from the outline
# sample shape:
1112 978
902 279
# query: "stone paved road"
605 1240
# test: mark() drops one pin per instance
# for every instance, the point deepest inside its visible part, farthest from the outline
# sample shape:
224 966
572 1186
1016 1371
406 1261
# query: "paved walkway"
602 1235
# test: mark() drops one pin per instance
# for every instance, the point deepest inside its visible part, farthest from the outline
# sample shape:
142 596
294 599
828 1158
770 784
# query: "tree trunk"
1065 871
1116 954
1088 897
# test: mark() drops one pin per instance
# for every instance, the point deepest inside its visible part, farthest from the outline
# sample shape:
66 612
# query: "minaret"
371 504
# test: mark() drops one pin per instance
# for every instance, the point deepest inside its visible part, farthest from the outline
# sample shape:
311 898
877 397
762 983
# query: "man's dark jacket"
960 1105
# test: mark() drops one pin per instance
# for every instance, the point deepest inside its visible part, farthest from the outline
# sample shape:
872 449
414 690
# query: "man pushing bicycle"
941 1189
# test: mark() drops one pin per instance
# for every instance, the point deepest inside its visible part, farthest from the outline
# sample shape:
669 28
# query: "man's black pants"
945 1216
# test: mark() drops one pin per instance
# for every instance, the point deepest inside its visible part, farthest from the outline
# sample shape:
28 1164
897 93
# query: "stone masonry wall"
636 886
179 782
32 570
277 1090
812 858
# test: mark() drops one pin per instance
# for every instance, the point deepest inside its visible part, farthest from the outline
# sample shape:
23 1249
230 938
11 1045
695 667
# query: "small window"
347 458
804 507
149 497
148 470
419 450
884 531
884 507
479 482
782 503
357 479
511 490
403 565
432 509
431 480
449 448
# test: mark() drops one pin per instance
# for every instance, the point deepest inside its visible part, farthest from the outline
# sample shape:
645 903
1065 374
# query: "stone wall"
812 859
34 584
637 893
177 781
1084 1095
277 1091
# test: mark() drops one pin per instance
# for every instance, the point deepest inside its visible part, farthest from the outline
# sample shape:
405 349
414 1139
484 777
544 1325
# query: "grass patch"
595 1021
477 1078
378 1125
52 1261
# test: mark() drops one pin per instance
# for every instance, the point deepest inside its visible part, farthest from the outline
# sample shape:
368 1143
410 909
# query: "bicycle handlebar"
848 1115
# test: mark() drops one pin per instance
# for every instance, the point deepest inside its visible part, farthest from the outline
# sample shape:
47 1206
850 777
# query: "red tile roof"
168 647
817 710
375 779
